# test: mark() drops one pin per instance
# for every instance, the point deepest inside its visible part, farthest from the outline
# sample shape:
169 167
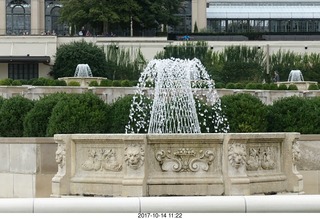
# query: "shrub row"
260 86
87 113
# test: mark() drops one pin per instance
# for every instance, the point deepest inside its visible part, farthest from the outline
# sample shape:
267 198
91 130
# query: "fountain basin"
140 165
301 85
84 81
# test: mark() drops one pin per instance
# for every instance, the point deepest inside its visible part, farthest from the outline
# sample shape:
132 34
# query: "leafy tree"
68 56
101 14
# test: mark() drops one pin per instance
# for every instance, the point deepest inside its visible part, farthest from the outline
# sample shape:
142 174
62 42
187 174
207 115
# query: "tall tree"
102 13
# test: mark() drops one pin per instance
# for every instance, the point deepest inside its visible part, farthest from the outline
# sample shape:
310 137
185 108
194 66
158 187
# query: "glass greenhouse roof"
263 12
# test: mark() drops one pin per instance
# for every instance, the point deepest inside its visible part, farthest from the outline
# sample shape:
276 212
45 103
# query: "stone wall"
109 94
27 166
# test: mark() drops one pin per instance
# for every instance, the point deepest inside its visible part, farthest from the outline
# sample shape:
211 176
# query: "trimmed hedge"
79 113
37 119
12 114
245 113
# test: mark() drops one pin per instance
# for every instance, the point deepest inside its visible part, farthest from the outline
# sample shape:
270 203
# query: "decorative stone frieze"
134 156
185 160
101 160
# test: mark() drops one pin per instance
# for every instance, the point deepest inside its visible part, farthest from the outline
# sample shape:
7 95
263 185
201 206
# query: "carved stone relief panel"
61 158
185 159
134 156
262 158
101 159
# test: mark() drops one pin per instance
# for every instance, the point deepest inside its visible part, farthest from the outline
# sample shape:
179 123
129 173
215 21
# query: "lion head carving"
237 155
134 156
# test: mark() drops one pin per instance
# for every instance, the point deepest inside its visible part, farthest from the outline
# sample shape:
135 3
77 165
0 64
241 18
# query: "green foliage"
12 114
266 86
94 84
74 83
6 81
220 85
273 87
188 50
313 87
240 85
124 64
240 64
230 86
16 83
79 113
116 83
245 113
106 83
125 83
36 121
295 114
120 110
251 86
282 87
292 87
68 56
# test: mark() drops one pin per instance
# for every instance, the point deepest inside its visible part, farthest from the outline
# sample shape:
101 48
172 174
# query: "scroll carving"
185 160
101 159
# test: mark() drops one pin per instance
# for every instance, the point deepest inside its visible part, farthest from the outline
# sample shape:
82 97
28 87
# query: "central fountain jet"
184 99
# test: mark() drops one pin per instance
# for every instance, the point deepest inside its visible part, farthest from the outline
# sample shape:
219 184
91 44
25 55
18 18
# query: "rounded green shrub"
116 83
251 86
12 115
74 83
16 83
313 87
36 121
60 83
79 113
68 56
106 83
219 85
125 83
94 84
266 86
230 86
292 87
240 85
295 114
6 81
273 87
245 113
120 110
282 87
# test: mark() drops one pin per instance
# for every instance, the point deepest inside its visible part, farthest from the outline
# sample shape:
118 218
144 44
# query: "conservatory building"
285 16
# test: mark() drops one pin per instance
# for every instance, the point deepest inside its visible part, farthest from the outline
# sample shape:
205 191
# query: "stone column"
3 26
37 16
199 14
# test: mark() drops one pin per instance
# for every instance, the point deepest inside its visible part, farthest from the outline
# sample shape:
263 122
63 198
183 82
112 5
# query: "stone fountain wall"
176 164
